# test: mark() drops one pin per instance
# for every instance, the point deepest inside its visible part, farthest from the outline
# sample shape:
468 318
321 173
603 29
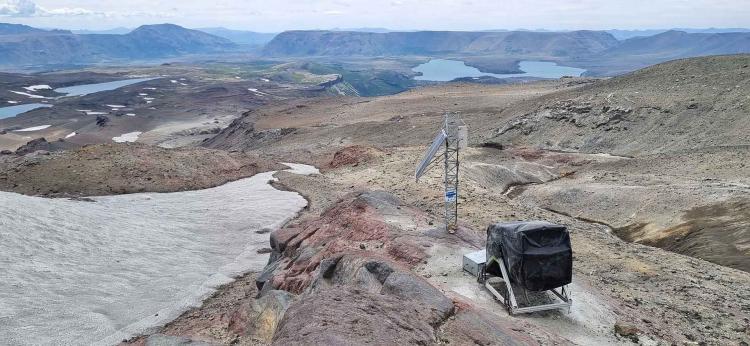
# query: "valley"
202 193
536 152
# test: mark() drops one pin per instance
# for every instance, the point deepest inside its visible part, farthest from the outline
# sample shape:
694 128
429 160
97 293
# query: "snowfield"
82 272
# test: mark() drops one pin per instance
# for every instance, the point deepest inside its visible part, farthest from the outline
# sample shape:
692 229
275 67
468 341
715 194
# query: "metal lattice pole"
451 124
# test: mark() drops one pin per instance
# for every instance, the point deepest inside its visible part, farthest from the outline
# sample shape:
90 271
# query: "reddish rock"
353 155
343 229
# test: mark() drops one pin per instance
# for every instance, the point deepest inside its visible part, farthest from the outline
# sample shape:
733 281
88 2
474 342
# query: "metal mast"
451 124
453 136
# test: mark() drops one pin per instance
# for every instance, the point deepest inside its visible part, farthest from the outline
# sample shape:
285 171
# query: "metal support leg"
564 301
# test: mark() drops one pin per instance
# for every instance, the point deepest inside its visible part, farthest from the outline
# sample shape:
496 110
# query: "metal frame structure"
450 179
453 134
563 296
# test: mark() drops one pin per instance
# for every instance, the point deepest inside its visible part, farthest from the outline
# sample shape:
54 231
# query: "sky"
279 15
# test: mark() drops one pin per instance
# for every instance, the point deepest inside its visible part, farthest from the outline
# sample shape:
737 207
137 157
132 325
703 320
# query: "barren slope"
108 169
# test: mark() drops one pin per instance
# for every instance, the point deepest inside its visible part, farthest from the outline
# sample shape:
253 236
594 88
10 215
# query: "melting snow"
265 79
32 96
301 169
35 128
173 81
257 91
130 114
115 106
38 87
127 137
70 135
13 102
77 272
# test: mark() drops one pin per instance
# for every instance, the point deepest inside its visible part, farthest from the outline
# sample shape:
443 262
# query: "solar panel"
430 153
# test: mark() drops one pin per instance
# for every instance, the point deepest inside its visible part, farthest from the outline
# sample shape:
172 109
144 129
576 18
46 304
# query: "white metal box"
474 261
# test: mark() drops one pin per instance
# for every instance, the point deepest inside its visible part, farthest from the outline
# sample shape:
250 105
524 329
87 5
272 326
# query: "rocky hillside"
677 105
516 43
678 131
37 47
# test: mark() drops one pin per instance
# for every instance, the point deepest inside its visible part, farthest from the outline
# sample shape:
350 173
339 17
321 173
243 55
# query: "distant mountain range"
512 43
113 31
680 44
597 51
251 38
243 37
626 34
24 45
600 52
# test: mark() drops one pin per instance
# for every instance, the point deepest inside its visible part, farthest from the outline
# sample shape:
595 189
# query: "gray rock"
168 340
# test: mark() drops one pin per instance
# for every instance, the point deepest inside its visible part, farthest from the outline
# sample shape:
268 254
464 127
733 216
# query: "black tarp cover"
537 254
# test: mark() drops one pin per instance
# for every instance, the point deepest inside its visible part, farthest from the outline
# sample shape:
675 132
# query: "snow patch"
257 91
301 169
35 128
31 96
38 87
100 272
127 137
13 102
71 135
115 106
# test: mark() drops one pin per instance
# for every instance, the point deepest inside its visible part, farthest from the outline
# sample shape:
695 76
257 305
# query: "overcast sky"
278 15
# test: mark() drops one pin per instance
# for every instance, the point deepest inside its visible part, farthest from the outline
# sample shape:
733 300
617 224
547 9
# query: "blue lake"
85 89
441 70
8 112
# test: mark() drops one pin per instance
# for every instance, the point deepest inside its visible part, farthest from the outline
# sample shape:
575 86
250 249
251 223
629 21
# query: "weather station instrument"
451 138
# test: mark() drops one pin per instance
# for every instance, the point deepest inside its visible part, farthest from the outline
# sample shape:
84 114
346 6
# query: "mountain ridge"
24 46
318 42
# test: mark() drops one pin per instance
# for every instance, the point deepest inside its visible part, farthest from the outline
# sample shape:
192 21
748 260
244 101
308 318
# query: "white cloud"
278 15
18 8
28 8
72 12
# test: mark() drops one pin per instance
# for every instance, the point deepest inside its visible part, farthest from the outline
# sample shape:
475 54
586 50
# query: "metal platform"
561 295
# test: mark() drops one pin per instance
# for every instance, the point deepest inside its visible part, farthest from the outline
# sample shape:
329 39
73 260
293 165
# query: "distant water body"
76 90
9 112
85 89
80 273
441 70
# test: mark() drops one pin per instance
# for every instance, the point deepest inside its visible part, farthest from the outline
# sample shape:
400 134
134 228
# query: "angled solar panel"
434 147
